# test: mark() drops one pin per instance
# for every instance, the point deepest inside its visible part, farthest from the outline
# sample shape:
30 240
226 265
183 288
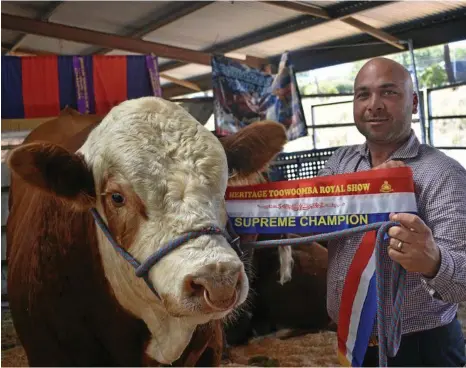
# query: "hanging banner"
82 85
42 86
243 95
320 204
153 68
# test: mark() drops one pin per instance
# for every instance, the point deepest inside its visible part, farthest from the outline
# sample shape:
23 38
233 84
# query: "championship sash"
327 204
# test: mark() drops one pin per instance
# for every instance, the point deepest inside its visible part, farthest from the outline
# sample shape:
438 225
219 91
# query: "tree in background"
433 76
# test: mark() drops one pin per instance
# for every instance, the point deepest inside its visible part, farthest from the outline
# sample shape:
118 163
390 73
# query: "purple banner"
153 68
82 85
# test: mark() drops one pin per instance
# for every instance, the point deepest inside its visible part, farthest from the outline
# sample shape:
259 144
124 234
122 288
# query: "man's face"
383 102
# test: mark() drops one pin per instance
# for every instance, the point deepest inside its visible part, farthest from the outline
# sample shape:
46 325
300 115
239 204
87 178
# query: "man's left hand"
412 245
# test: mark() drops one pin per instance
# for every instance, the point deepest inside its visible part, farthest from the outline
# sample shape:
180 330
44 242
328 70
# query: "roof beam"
175 11
302 8
296 24
374 32
60 31
322 13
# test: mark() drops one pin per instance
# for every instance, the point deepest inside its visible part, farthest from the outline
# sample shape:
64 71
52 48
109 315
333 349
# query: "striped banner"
327 204
42 86
321 204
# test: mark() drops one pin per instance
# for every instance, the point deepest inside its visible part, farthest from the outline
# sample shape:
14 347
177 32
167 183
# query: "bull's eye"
118 199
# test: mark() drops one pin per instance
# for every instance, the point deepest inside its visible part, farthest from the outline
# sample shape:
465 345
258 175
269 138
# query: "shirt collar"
409 149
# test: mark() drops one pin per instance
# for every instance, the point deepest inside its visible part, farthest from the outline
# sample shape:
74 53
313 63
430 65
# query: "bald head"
387 68
384 101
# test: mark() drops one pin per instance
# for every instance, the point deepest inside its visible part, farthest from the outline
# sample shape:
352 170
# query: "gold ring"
400 246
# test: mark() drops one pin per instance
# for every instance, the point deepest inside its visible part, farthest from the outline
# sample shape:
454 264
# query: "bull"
153 284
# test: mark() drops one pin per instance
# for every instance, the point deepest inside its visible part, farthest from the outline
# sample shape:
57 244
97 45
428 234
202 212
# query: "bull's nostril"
193 286
196 287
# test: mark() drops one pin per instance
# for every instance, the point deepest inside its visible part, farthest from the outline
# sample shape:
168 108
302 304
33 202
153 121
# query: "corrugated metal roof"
329 31
219 22
107 16
400 12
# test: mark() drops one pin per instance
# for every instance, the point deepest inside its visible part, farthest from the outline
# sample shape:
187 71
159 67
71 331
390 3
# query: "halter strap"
142 270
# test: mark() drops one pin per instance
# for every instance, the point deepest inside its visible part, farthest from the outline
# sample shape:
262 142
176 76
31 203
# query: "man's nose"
375 103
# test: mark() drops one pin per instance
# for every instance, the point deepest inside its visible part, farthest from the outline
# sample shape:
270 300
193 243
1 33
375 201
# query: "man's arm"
445 215
331 166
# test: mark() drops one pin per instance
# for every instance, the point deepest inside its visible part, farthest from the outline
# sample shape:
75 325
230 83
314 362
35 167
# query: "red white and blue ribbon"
327 204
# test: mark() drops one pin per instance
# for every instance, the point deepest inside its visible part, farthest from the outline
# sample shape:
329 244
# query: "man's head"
384 101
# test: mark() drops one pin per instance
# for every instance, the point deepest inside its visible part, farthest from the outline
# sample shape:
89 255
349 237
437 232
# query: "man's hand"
412 245
389 165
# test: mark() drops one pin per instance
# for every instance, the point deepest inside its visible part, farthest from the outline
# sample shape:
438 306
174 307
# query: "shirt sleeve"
331 166
445 215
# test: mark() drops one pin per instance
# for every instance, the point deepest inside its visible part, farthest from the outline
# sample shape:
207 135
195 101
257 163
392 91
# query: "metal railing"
431 118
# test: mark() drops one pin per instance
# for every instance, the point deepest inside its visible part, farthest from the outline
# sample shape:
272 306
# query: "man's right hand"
390 165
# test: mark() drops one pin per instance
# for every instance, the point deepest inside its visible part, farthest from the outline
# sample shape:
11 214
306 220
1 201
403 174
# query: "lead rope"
389 338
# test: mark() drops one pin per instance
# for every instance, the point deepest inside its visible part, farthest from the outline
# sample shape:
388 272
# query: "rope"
173 244
389 337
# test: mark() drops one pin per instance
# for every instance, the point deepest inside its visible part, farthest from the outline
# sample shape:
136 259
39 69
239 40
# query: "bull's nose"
218 284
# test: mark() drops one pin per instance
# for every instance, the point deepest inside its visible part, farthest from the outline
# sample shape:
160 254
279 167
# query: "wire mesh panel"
299 165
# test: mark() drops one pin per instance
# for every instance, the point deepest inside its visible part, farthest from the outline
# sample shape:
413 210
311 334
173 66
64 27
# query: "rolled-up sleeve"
445 215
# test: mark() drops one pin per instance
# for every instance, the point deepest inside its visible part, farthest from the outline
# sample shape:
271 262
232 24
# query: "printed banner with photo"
243 95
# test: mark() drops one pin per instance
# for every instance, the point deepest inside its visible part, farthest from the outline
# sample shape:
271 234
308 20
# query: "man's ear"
415 103
53 169
252 148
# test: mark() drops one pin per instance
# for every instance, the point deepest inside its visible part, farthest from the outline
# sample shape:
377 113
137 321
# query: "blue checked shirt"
440 185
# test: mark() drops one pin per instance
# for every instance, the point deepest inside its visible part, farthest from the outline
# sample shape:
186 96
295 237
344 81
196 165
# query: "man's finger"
411 222
400 233
398 257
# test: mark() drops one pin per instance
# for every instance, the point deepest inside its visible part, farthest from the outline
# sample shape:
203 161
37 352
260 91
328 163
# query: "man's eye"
362 95
389 93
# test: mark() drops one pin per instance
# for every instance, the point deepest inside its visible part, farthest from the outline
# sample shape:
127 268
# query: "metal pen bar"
416 85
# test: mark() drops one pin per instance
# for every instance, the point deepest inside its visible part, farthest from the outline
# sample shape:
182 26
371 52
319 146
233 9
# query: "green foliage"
344 86
433 76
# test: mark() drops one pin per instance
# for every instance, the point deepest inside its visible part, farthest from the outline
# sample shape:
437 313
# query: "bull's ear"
253 147
55 170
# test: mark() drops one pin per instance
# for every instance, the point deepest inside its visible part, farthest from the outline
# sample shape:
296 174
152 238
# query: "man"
431 247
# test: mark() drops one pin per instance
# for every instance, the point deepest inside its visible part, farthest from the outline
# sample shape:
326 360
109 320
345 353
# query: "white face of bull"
159 173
